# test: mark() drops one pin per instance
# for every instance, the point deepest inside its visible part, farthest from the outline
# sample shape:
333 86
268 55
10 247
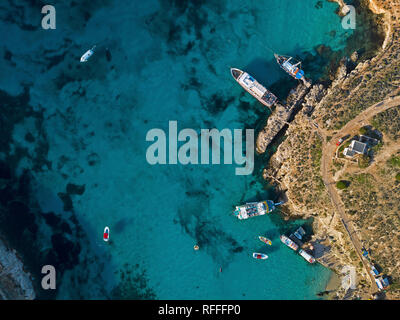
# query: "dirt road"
326 165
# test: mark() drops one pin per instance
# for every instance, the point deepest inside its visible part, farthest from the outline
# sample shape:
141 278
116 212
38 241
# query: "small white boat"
86 56
265 240
308 257
106 234
261 256
299 233
289 242
252 209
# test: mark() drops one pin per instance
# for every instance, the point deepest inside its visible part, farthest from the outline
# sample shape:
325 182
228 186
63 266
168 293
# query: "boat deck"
253 87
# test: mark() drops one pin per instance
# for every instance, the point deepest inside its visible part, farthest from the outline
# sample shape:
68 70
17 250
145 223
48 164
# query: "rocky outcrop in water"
15 282
280 117
275 123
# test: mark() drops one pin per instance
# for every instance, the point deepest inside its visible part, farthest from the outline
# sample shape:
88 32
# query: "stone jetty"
281 116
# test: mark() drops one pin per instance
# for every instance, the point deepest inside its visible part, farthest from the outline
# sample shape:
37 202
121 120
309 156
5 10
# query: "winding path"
326 164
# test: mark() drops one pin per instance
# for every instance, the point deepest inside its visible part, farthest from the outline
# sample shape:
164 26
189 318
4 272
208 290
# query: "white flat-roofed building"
355 147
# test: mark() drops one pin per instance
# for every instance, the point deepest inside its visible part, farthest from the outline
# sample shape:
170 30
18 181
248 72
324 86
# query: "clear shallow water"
169 61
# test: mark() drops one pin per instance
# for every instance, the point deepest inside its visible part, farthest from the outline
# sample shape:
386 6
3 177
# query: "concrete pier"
280 117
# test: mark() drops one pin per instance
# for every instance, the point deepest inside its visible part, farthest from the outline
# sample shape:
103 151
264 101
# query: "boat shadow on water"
268 194
272 234
267 249
268 73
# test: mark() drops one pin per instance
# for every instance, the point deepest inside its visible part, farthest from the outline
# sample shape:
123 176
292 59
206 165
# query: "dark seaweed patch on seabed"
13 110
20 216
133 284
66 197
193 82
217 103
19 221
16 14
192 216
121 224
217 243
177 17
80 72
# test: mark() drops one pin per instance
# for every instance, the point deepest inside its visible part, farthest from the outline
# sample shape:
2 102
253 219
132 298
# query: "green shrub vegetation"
377 147
364 130
342 184
363 161
395 161
344 145
388 122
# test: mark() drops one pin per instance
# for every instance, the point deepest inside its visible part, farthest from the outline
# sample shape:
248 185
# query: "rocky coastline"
15 282
281 115
299 155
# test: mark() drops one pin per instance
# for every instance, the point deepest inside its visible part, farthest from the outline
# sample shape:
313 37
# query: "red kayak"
106 234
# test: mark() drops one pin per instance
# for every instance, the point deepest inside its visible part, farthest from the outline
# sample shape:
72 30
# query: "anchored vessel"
265 240
290 66
86 56
252 86
252 209
291 244
257 255
306 256
106 234
299 233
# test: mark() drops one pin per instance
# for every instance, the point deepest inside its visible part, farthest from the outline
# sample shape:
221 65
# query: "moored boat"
290 66
307 256
299 233
291 244
253 87
261 256
86 56
106 234
252 209
265 240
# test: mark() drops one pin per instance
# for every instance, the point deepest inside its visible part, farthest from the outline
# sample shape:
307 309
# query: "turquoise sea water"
158 61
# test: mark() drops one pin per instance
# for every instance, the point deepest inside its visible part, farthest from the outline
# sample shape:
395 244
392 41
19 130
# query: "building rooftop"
348 152
358 147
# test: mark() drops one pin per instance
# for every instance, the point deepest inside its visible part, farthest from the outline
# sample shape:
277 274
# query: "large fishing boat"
291 244
290 66
252 209
252 86
307 256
